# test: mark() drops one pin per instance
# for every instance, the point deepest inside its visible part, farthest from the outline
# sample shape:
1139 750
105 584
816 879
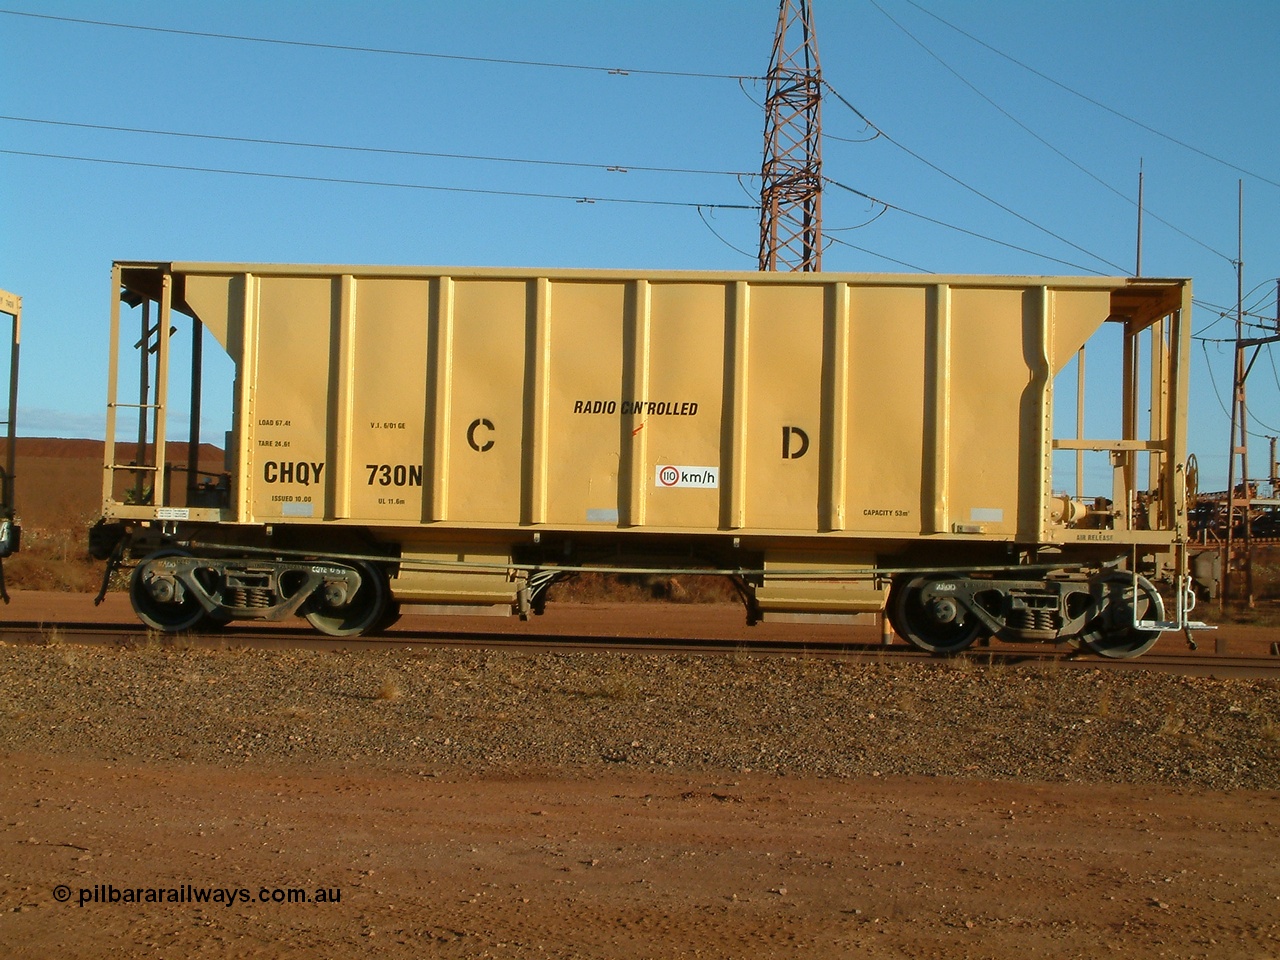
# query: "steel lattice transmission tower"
791 177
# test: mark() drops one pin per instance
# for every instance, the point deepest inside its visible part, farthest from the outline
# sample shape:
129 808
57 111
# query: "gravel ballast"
587 713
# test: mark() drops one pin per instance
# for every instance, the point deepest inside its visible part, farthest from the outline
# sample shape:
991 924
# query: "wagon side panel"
679 406
481 364
890 450
288 473
386 479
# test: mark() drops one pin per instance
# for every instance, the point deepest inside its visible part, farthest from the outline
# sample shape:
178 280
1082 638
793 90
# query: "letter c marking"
471 435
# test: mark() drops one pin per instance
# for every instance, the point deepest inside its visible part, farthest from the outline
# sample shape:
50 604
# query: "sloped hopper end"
209 299
215 300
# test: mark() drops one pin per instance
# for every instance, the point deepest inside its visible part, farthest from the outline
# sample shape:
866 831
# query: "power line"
974 190
884 208
184 168
1262 423
1213 382
1264 325
716 233
873 253
388 151
1026 129
1266 299
1205 305
346 48
1224 312
965 231
1097 103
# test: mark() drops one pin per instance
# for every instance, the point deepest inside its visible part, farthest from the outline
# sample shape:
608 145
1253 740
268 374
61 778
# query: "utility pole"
791 176
1237 559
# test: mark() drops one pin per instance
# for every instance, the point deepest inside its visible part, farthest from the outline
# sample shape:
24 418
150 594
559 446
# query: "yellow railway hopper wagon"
835 443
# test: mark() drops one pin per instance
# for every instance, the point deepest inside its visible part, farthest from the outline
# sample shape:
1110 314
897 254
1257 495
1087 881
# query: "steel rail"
417 640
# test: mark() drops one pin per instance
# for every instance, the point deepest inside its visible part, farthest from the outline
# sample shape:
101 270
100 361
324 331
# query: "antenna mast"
1137 272
791 177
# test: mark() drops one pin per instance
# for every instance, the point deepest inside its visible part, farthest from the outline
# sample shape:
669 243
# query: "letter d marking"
801 437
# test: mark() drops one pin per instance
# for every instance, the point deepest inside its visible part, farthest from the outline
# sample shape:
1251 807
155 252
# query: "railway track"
858 648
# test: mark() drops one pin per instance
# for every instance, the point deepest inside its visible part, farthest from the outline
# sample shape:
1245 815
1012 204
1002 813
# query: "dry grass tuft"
1172 726
1080 752
54 559
617 683
389 690
1103 706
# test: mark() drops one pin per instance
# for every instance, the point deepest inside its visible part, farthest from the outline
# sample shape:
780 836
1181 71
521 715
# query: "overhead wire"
1260 422
882 256
832 136
742 186
388 151
974 190
716 233
350 48
1225 311
884 208
1264 327
1204 305
742 85
740 79
964 230
1097 103
1044 142
1259 285
1266 299
1213 382
187 168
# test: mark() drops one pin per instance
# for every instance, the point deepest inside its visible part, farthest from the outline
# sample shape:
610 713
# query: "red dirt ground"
447 862
560 863
431 863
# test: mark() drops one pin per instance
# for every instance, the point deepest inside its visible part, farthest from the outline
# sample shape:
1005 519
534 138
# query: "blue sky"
1059 199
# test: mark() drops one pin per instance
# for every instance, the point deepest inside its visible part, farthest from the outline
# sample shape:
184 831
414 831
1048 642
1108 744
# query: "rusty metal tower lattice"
791 177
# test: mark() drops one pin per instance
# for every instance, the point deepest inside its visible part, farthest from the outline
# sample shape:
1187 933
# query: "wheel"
339 615
390 616
1111 633
932 621
160 599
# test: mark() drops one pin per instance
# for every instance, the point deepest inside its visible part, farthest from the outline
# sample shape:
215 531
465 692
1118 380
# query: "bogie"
173 590
944 615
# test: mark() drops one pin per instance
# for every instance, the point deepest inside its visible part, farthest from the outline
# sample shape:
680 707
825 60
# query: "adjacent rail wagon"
834 443
10 531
